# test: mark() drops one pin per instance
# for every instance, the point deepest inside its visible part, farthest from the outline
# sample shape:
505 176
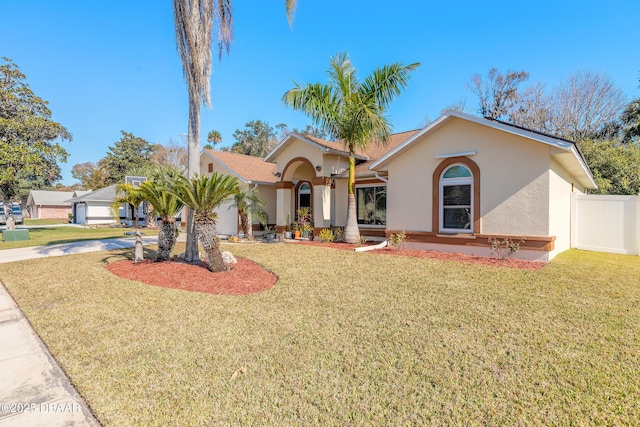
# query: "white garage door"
81 213
227 219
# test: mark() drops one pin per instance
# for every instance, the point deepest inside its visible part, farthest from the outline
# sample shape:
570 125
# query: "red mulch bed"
245 277
450 256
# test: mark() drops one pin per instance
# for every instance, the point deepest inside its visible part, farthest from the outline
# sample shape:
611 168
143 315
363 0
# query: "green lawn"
51 235
347 338
46 221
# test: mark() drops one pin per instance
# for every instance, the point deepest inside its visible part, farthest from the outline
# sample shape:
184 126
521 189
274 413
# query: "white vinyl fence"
606 223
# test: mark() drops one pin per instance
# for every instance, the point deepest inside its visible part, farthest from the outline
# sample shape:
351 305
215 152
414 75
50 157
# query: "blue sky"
111 66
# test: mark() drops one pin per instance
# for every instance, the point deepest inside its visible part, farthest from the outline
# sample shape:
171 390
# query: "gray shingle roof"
50 198
106 194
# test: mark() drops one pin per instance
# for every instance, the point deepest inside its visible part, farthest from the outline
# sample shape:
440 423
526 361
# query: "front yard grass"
347 338
53 235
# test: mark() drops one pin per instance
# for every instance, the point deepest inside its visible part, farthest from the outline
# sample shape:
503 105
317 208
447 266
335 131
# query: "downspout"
381 178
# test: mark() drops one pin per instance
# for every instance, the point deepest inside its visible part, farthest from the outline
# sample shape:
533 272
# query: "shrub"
326 235
396 240
503 249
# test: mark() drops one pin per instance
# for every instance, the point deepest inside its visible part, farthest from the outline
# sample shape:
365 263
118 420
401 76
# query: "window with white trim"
456 200
371 205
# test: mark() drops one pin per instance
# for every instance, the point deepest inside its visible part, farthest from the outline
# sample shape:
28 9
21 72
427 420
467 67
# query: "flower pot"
287 234
296 234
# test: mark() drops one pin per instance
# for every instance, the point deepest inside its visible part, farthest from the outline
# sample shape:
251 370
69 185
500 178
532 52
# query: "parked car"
16 211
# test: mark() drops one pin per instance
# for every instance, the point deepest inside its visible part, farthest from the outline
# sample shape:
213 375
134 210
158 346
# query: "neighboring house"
451 186
94 207
49 204
252 172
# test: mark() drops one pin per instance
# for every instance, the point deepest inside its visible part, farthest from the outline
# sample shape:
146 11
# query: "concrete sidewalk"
35 390
19 254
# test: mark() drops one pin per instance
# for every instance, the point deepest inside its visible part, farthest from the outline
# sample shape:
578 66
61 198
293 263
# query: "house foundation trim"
532 243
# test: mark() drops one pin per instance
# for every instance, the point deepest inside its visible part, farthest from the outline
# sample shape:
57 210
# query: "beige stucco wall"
304 150
560 188
333 165
341 201
514 180
268 194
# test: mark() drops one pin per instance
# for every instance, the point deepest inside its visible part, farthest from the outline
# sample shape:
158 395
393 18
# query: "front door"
304 195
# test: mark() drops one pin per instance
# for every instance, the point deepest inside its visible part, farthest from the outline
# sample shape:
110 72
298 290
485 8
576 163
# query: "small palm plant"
127 194
203 195
166 206
249 206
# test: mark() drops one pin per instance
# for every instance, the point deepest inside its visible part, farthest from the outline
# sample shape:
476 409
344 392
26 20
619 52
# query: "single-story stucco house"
450 186
251 171
43 204
94 207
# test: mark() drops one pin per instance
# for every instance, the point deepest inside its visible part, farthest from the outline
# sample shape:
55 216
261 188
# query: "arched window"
456 200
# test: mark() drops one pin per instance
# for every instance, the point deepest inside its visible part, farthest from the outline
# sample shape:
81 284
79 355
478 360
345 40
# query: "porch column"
284 209
321 203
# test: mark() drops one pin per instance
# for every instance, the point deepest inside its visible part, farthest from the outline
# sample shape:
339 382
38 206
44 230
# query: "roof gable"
328 147
574 162
248 169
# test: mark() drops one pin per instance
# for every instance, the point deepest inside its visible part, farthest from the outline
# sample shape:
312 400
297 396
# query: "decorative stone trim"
284 184
531 243
323 180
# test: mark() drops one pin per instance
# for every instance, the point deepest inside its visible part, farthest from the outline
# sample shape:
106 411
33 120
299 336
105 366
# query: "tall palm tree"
166 206
194 23
352 111
214 138
202 195
127 194
249 206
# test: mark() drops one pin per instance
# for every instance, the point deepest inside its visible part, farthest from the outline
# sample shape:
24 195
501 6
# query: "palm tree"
202 195
127 194
352 111
249 206
214 138
166 206
194 23
631 120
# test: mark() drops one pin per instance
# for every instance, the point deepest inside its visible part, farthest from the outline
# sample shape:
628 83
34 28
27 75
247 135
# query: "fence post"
574 220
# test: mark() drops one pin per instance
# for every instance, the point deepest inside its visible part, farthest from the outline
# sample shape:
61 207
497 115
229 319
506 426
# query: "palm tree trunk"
208 235
351 231
166 240
138 252
191 251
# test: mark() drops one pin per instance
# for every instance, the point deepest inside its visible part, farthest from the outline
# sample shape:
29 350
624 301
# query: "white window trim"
382 184
455 181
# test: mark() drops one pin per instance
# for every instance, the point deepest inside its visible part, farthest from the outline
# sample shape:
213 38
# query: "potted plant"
307 230
296 230
288 233
304 218
269 233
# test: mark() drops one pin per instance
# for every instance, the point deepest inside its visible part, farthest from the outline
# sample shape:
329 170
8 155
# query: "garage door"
227 219
81 213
